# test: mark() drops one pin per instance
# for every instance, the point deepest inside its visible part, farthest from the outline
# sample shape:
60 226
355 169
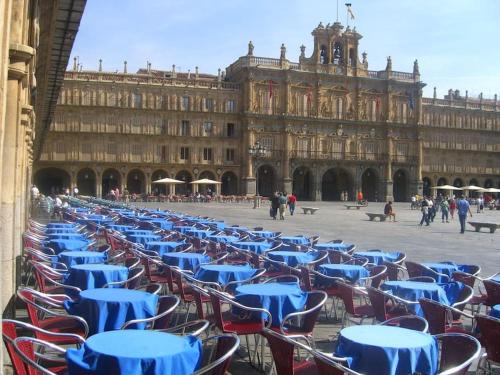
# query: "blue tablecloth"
496 279
132 232
65 236
263 233
219 224
72 258
350 272
198 233
256 247
143 238
67 245
495 311
375 350
377 257
161 223
69 230
413 290
331 246
105 221
293 258
162 247
223 239
296 240
107 309
280 299
134 352
224 273
61 225
186 261
90 276
182 228
446 268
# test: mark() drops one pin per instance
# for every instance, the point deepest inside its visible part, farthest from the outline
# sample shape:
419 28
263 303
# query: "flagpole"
347 16
337 10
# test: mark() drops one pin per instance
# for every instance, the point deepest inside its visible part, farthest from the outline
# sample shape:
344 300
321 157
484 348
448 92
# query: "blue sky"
455 41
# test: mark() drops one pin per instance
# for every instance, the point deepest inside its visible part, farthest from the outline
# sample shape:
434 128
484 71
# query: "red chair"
9 334
282 350
377 275
55 322
457 352
384 306
489 335
216 362
395 271
163 317
323 282
413 322
440 317
133 281
416 269
362 311
493 292
477 300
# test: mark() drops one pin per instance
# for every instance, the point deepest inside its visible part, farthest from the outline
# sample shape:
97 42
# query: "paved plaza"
437 242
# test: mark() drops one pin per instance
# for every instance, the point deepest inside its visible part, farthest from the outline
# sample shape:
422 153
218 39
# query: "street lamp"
256 151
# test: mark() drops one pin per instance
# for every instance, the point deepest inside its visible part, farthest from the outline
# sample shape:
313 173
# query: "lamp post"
256 151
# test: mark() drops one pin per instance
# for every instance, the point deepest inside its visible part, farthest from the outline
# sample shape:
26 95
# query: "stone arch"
488 183
473 181
440 182
111 179
266 180
369 184
185 188
458 182
334 182
302 185
52 180
426 186
159 189
229 184
203 189
85 181
400 187
136 182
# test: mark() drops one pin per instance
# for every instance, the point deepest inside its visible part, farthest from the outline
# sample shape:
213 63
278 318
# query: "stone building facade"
330 124
36 38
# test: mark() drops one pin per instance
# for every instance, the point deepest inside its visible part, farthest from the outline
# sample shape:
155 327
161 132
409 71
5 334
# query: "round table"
292 258
163 247
120 228
67 245
162 223
263 233
296 240
107 309
133 352
349 272
388 350
280 299
90 276
224 273
139 232
377 257
182 228
198 233
186 261
70 230
256 247
65 236
332 246
143 238
72 258
495 311
61 225
223 239
444 268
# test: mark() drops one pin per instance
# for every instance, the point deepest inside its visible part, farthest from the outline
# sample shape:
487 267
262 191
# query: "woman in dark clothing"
275 204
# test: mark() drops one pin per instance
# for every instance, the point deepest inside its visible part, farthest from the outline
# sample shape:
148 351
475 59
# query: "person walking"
292 200
453 207
282 205
463 208
425 212
274 206
445 207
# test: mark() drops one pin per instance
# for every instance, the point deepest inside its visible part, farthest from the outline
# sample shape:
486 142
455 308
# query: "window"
230 130
137 149
337 150
369 151
112 99
86 148
324 146
302 147
163 153
85 97
207 154
185 103
185 128
230 106
209 104
184 153
207 128
60 148
137 99
164 126
230 154
112 148
267 142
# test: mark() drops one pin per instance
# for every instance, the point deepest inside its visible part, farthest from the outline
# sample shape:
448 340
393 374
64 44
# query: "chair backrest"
166 307
25 348
315 301
347 295
305 278
134 278
436 315
378 300
218 360
493 292
378 274
328 366
9 334
457 352
464 278
132 262
489 329
414 269
393 270
412 322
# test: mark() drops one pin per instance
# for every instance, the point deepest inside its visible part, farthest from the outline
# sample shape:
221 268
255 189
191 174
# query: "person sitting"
389 212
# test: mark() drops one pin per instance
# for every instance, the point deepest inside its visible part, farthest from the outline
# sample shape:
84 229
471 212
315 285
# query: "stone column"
316 195
285 161
388 171
98 186
249 182
420 162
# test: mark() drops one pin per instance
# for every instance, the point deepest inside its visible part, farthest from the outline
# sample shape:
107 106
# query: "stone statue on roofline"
250 49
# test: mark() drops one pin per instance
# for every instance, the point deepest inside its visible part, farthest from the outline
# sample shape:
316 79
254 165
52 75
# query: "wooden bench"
357 206
372 217
491 226
311 210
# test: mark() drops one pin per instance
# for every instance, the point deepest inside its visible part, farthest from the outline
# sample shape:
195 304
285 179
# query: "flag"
270 89
411 101
349 10
377 103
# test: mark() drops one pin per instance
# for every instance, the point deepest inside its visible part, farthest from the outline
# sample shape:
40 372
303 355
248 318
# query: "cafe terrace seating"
109 280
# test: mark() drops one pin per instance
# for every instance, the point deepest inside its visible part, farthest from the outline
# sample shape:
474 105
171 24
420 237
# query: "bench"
357 206
311 210
372 217
491 226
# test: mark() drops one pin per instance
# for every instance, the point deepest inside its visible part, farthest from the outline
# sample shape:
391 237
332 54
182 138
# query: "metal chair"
31 350
166 308
489 333
133 281
217 355
413 322
457 352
